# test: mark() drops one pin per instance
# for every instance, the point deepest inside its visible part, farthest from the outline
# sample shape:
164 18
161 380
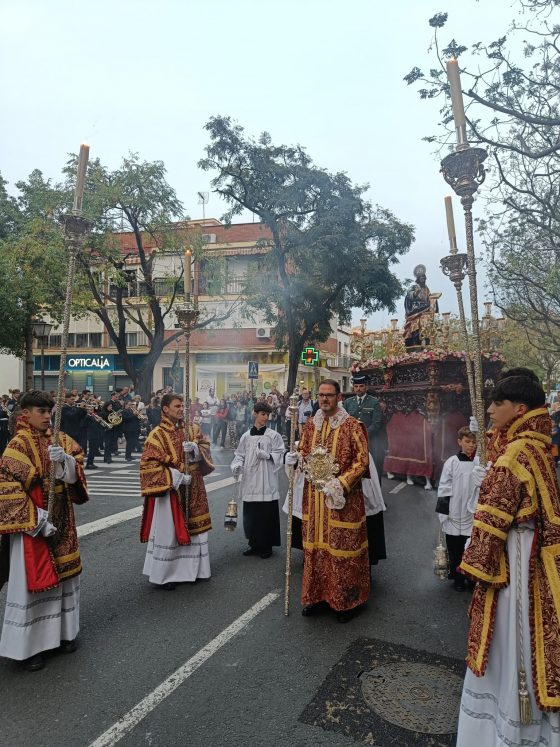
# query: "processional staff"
75 228
293 424
187 316
464 171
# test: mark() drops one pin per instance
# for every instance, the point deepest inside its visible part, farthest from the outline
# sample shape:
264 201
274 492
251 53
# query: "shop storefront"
100 373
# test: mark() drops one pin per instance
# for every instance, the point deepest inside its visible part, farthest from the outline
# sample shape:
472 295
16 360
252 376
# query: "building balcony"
340 361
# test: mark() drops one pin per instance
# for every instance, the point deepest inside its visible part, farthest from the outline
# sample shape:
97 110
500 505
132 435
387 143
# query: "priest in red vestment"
336 564
40 558
176 533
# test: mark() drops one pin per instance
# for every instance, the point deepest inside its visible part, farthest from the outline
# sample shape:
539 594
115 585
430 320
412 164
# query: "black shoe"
250 551
91 466
128 459
312 609
459 586
34 663
169 586
68 647
267 554
344 616
108 461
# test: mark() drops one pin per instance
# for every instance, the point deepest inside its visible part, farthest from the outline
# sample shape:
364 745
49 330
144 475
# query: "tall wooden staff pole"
187 316
464 171
293 425
75 229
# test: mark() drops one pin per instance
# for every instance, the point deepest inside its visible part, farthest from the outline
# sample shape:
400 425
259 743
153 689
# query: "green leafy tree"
330 251
32 268
528 344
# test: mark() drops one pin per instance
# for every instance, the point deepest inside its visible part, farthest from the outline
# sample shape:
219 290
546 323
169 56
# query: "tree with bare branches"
512 89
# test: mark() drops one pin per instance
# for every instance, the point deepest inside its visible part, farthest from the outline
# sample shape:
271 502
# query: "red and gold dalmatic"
24 487
336 565
164 449
522 486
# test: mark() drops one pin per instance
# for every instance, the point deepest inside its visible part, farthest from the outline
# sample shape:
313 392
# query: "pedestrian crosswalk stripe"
132 513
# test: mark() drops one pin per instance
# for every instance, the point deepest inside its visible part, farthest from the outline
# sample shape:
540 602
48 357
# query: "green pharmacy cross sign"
310 357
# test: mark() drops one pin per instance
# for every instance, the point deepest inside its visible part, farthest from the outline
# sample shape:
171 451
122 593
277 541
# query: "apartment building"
220 352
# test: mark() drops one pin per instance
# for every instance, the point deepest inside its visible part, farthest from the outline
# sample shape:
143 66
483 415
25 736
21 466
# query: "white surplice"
167 561
38 621
259 480
489 713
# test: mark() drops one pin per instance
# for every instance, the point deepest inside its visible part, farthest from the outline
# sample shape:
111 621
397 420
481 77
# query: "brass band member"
177 547
43 599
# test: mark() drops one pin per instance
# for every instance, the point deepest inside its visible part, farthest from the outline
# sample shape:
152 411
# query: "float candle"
454 78
450 224
81 177
188 278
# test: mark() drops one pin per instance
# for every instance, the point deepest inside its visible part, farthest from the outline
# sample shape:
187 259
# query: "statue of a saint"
416 304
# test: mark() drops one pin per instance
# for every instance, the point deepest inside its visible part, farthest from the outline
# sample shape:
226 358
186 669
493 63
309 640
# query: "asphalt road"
240 685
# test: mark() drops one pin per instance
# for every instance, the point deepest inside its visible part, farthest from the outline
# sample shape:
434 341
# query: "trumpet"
98 419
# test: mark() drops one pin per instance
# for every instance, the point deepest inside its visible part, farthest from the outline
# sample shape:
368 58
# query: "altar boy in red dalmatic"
177 546
43 599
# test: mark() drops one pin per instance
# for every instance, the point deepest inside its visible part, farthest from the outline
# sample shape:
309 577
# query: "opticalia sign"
90 363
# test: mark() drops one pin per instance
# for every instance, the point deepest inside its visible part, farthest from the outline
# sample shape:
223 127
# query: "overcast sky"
145 76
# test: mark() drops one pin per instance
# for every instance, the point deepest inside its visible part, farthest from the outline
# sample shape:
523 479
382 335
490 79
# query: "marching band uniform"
518 512
43 597
258 458
336 567
177 548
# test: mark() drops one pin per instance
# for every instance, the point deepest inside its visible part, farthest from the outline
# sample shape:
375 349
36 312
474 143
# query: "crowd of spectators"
101 427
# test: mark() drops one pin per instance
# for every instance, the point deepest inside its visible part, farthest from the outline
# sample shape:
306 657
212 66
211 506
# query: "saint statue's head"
420 275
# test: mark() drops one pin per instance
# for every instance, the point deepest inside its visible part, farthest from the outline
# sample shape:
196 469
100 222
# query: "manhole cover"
414 696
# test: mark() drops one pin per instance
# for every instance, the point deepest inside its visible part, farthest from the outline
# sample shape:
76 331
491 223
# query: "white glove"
473 425
262 454
179 478
237 470
292 457
479 473
334 494
44 526
190 448
48 529
56 454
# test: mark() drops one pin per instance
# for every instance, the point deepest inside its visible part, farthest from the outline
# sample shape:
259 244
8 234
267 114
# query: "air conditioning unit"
209 238
263 333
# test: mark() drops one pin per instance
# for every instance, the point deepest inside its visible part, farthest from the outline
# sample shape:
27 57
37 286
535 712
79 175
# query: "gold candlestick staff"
75 228
292 407
464 171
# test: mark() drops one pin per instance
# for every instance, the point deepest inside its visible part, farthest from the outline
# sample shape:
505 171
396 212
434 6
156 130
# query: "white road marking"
124 725
133 513
398 487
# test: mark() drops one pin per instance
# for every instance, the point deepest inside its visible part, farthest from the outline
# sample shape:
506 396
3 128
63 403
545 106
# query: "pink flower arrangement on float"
421 356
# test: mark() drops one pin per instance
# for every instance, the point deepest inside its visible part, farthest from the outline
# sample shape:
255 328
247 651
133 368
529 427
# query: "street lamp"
41 330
